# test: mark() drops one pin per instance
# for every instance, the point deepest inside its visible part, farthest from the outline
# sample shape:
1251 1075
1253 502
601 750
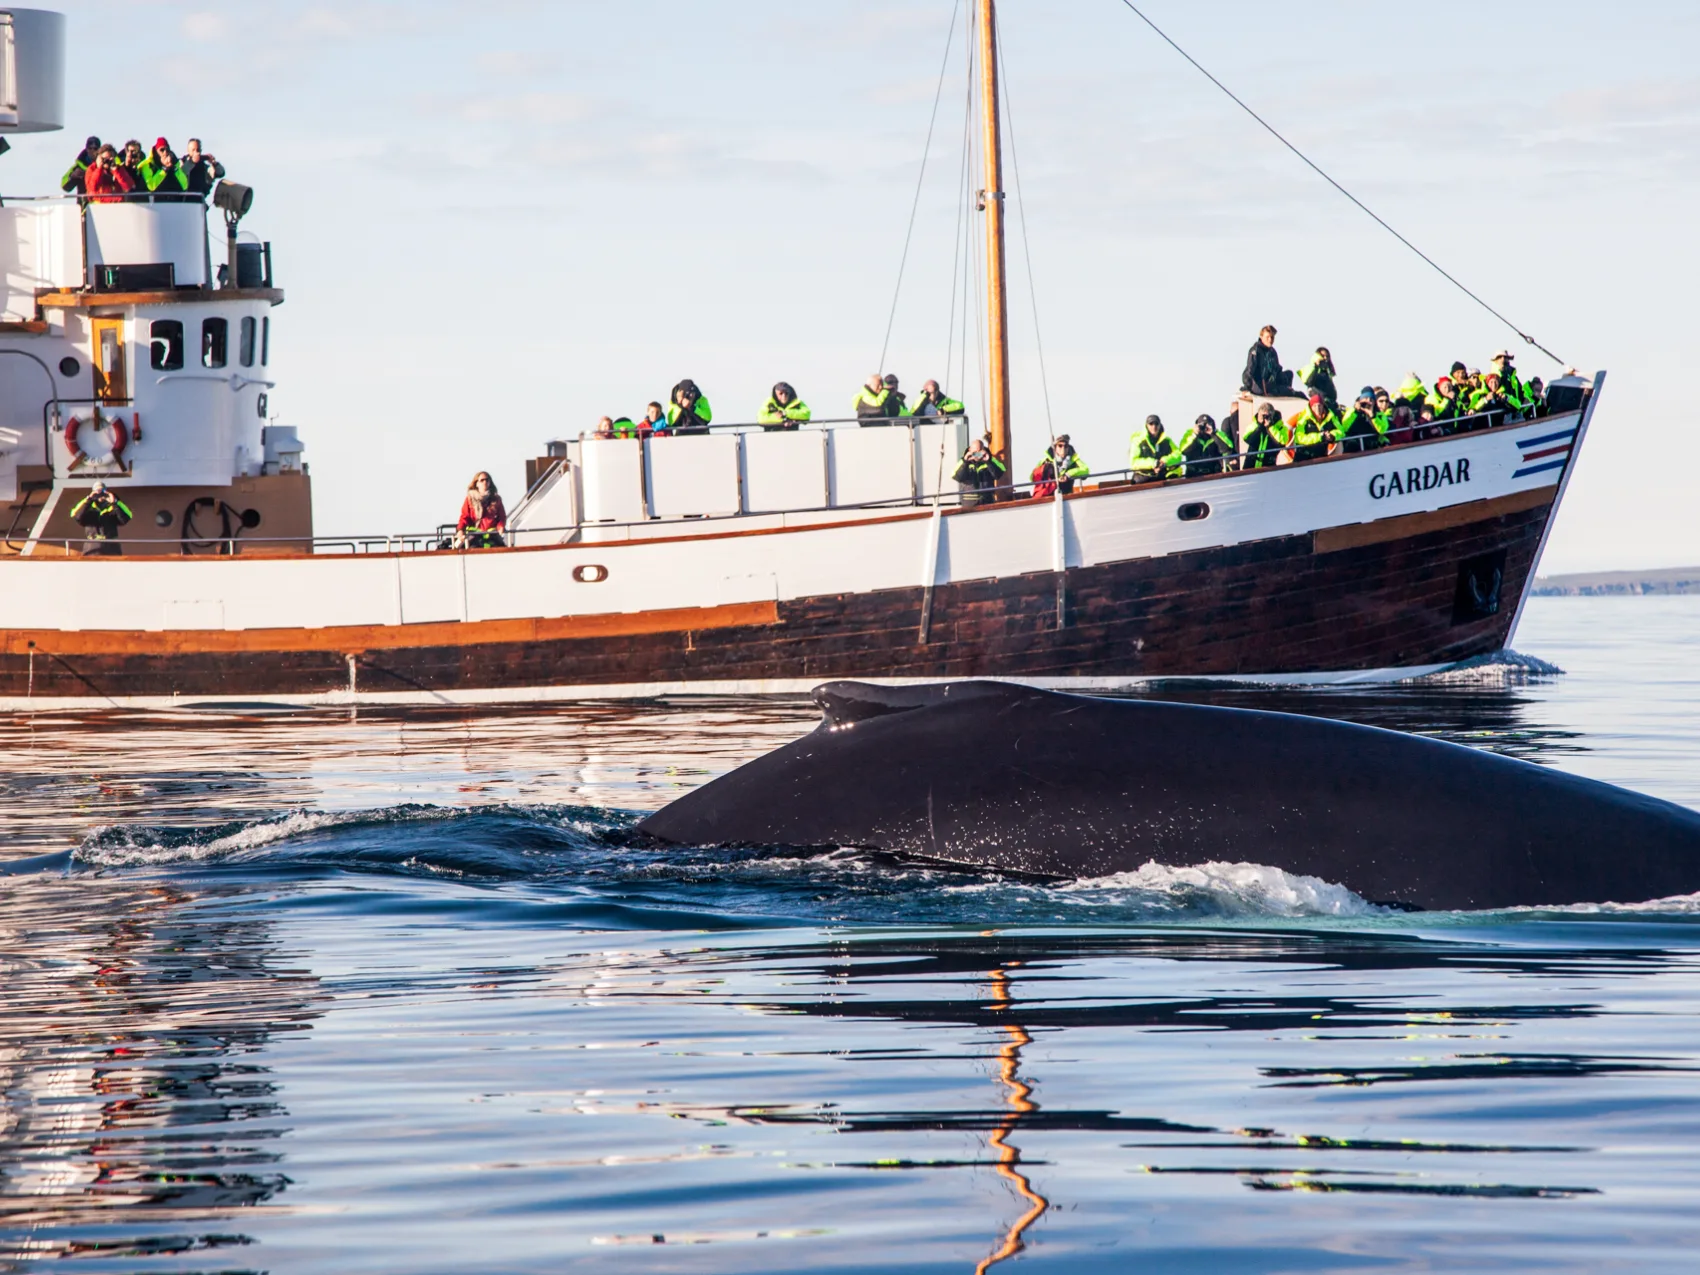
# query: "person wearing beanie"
688 411
1361 430
1314 428
1203 449
1059 468
161 174
74 179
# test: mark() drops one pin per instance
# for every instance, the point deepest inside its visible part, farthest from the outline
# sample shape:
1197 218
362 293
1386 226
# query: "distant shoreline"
1665 580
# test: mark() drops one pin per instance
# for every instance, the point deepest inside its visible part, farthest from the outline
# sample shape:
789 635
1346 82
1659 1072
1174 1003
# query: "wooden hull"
1374 597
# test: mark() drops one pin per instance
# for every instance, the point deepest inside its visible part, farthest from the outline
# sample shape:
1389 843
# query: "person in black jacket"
202 170
1359 431
1203 449
980 473
1263 371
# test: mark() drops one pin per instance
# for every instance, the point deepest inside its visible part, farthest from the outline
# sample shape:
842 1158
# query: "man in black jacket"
1263 372
980 473
202 170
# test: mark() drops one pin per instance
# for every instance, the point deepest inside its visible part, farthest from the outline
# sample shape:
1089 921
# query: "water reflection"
137 1112
1065 985
1021 1106
63 774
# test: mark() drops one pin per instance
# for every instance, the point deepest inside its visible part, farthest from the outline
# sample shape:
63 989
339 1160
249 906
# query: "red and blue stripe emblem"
1545 451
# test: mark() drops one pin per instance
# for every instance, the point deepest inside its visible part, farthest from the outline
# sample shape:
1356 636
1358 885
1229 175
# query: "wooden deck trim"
63 300
1356 535
24 327
357 638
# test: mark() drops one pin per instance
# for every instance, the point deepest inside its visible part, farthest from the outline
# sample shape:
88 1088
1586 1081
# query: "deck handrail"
440 540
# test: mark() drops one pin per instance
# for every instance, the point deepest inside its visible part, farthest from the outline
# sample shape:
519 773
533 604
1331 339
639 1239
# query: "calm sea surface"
313 992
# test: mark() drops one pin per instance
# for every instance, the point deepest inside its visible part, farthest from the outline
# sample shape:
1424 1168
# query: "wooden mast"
992 201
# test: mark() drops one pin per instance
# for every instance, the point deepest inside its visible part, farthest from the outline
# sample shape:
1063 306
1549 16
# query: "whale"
1008 778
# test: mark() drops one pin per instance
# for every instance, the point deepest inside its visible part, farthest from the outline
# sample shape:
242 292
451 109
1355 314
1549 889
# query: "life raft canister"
120 439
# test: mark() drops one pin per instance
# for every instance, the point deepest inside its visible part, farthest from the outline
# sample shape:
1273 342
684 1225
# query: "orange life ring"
120 437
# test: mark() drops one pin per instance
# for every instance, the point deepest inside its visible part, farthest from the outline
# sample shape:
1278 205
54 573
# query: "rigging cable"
1026 251
926 152
1337 186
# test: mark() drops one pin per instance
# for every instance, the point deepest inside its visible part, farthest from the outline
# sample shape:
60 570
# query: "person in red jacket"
483 520
106 181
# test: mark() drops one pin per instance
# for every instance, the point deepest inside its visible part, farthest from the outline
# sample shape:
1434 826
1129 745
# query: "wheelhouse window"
246 346
215 342
265 340
165 345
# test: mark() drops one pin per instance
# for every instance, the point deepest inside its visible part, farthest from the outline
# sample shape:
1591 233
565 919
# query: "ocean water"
397 992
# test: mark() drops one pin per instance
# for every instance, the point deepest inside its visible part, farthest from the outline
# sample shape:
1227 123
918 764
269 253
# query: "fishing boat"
135 351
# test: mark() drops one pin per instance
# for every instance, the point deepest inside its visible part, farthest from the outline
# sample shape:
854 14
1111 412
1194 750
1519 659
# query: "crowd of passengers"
107 174
687 411
1462 400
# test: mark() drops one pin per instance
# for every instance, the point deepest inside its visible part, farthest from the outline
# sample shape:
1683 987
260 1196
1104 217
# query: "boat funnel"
32 70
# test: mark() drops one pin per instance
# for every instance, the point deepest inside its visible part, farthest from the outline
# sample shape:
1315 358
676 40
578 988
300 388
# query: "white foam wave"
1214 888
1499 669
1674 905
118 846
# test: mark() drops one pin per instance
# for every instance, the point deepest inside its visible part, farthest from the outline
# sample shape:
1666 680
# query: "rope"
1026 250
926 152
1337 186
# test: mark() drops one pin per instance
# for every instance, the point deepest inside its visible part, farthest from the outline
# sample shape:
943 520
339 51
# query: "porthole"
68 366
162 518
590 573
1192 511
250 518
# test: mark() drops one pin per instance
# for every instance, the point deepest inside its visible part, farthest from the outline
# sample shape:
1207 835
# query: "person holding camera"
107 181
162 174
201 169
980 473
1203 449
935 402
100 514
689 412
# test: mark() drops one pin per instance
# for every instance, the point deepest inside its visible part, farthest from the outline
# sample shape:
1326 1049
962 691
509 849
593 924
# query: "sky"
494 224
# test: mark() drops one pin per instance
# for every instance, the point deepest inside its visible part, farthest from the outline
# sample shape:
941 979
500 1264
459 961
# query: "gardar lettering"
1402 482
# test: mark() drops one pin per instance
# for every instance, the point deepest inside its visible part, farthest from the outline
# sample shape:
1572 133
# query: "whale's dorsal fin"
846 703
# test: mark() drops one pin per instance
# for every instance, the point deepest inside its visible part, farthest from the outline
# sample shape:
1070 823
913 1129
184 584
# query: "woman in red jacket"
106 181
483 520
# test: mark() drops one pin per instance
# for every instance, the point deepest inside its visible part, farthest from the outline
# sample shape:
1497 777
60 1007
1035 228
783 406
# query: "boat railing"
752 427
444 538
141 241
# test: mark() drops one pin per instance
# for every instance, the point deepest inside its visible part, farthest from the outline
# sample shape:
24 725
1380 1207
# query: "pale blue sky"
495 223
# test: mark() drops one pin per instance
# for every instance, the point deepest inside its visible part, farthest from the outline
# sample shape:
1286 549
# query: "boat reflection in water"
137 1119
1020 1104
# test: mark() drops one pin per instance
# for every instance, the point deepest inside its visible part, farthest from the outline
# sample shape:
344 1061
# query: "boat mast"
992 202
